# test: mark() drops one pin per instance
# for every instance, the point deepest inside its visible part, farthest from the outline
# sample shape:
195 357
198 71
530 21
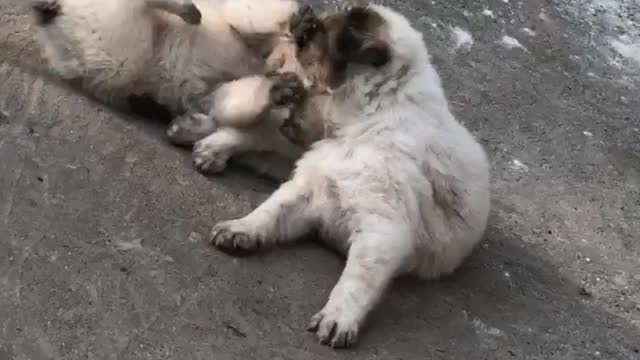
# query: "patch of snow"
587 133
542 16
126 245
461 38
488 13
519 165
528 31
482 328
614 30
511 43
627 48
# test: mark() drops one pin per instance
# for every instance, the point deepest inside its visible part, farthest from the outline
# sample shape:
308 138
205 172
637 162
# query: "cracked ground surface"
101 220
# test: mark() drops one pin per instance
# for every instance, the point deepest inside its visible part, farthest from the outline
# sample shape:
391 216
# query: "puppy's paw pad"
334 328
287 89
234 235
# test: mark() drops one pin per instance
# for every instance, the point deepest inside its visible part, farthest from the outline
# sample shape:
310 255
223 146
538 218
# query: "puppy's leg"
187 129
243 102
376 255
210 155
183 8
240 103
284 217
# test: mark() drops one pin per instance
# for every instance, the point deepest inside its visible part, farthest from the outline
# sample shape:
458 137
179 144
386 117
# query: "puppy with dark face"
324 47
394 181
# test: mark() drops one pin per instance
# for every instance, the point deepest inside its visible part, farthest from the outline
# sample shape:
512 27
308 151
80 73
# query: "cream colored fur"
124 47
400 187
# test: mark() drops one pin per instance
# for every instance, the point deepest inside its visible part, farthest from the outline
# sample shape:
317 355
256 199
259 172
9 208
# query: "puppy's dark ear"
360 40
304 25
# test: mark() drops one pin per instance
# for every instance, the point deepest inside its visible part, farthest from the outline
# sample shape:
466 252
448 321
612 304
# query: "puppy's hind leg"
284 217
210 155
187 129
377 254
183 8
241 103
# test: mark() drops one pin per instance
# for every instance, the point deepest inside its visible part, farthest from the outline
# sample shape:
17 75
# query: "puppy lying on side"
398 185
197 63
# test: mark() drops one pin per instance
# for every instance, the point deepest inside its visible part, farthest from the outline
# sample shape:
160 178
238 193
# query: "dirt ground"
101 220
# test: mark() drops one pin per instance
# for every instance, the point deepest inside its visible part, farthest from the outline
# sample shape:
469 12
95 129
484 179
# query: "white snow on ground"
519 165
489 13
618 24
528 31
462 39
627 48
511 43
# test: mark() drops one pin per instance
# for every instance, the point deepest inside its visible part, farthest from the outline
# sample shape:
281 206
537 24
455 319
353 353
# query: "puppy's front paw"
234 235
188 129
287 90
208 158
291 130
335 326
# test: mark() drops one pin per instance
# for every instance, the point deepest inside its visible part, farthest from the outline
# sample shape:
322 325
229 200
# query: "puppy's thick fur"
399 186
298 106
198 58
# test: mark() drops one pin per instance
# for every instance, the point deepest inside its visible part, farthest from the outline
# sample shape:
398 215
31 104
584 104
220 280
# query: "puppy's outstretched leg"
284 217
210 155
187 129
241 103
376 256
183 8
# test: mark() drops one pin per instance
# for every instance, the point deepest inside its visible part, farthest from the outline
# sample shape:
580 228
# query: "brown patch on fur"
325 47
356 36
319 55
446 193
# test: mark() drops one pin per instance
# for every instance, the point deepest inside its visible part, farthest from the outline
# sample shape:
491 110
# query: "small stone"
587 133
584 292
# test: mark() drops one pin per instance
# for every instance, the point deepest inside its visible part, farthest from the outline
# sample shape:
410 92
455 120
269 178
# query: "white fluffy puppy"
200 62
399 185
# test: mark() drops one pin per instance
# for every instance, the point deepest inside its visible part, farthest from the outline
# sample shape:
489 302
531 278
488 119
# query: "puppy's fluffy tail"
45 12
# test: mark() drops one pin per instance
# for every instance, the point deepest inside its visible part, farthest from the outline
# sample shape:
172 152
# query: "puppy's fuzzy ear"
361 38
